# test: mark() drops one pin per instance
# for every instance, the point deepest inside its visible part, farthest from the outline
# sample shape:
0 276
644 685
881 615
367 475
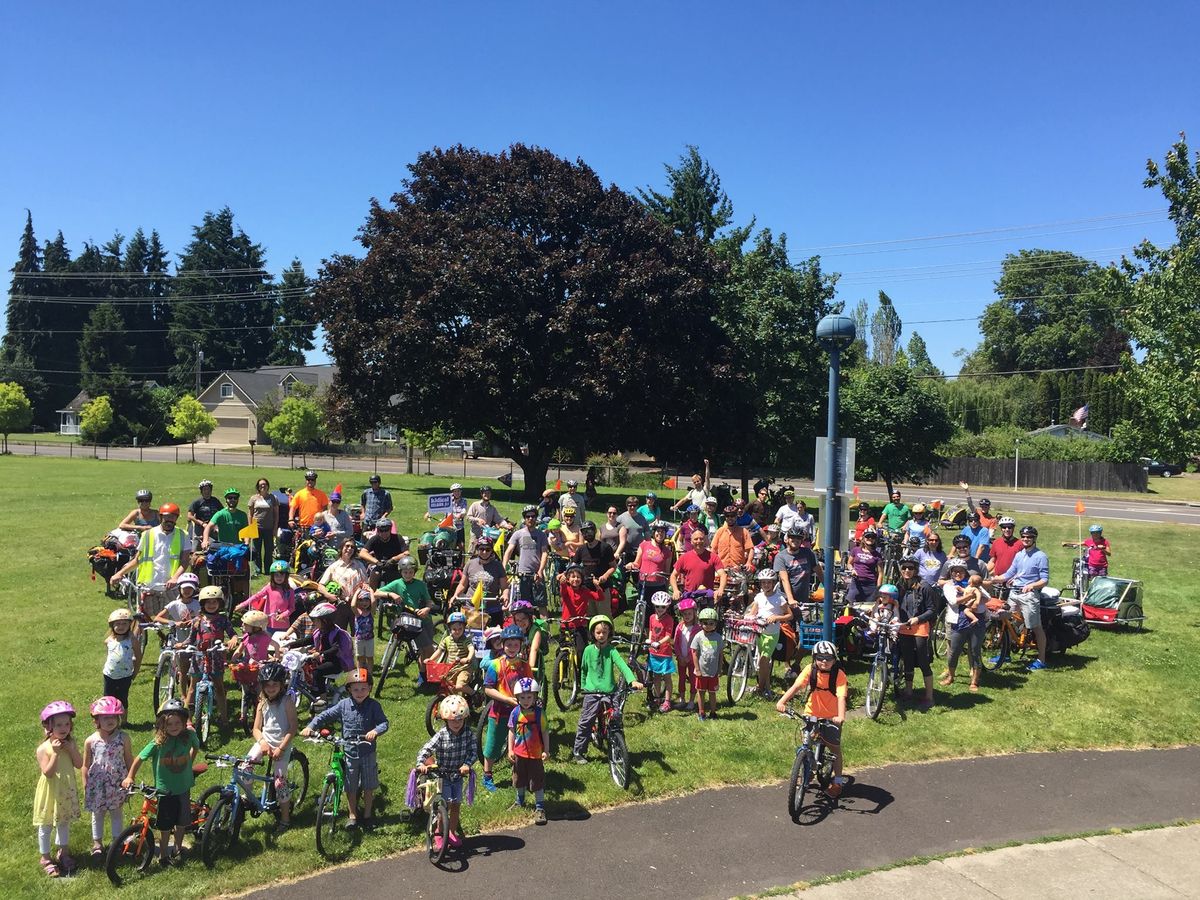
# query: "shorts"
529 774
364 646
662 665
830 733
708 683
495 742
1097 571
425 638
452 788
767 644
362 772
174 811
1031 607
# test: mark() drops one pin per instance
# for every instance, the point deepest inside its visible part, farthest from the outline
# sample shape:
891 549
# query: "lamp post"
1017 467
835 333
252 443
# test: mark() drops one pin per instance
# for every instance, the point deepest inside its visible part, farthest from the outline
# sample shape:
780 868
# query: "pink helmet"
108 706
55 708
687 603
189 579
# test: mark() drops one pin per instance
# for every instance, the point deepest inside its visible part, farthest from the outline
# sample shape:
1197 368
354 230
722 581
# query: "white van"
465 446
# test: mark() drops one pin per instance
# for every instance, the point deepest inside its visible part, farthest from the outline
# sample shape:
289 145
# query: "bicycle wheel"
130 854
164 682
203 713
739 673
798 786
297 778
876 685
566 688
249 702
389 657
437 827
481 726
618 758
852 642
334 840
822 766
219 831
939 637
995 644
431 714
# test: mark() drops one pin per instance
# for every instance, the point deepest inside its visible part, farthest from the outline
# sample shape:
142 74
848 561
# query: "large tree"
1160 287
694 204
885 332
24 357
516 295
294 325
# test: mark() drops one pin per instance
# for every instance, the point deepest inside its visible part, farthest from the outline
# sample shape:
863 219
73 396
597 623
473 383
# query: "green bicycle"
334 839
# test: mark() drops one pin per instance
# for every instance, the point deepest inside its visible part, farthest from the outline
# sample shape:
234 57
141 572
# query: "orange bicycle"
132 852
1007 637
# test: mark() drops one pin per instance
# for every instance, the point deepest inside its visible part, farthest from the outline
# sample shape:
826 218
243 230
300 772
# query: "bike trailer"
955 516
1063 622
1113 601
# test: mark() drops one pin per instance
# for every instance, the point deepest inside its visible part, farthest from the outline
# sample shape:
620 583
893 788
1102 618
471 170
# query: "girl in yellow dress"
56 799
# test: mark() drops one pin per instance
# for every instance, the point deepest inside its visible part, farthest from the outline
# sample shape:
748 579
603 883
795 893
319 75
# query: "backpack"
833 674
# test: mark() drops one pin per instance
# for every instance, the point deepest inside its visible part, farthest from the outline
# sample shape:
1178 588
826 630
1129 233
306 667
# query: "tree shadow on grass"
962 700
1069 660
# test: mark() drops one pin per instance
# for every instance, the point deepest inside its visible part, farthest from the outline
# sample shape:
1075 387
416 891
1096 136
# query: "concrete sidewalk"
1160 862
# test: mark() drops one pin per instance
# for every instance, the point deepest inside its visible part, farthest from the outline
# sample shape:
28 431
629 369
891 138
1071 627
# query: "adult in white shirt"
698 492
792 514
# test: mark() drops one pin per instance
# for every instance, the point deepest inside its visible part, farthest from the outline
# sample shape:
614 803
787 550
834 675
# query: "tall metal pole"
832 507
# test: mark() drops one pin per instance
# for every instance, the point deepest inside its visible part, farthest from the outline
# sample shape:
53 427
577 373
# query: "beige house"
234 398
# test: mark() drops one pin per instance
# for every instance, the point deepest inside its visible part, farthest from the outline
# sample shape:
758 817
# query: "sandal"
974 689
946 680
65 863
50 868
97 855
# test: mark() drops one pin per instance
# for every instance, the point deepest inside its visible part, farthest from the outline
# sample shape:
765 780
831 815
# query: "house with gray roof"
235 397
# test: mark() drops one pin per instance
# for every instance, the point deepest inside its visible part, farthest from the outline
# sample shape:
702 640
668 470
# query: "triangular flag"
505 479
337 488
1080 509
477 597
498 547
447 522
670 483
856 490
250 531
558 485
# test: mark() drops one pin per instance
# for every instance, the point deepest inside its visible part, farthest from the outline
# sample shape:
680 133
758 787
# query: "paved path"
721 843
1163 862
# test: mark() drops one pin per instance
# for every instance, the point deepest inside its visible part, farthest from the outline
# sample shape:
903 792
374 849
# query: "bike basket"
245 674
436 672
405 622
745 632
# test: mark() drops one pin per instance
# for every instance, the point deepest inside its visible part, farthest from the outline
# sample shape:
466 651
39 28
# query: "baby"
970 601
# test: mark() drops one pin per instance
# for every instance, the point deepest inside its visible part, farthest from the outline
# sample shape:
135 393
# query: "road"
733 841
1132 510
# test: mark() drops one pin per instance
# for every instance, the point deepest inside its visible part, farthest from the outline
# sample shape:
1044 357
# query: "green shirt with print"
172 761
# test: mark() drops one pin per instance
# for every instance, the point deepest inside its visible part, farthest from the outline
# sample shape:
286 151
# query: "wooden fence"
1043 473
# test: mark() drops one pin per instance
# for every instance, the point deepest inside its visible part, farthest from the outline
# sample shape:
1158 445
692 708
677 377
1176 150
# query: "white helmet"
824 648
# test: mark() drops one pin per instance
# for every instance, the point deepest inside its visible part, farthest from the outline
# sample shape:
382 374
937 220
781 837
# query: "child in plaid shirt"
455 750
527 748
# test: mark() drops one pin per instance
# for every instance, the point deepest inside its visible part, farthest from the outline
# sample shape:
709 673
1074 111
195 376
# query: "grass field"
1117 689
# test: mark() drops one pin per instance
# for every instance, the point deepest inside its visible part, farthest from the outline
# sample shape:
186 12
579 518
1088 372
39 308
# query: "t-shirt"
1095 555
708 644
575 601
163 562
490 515
922 530
610 533
861 525
363 626
596 560
530 545
1003 552
787 516
821 702
656 562
413 594
699 571
178 611
896 515
929 565
799 568
773 604
227 523
864 564
649 516
384 549
455 649
980 542
525 725
204 508
501 674
662 633
257 646
339 523
306 503
265 511
734 548
635 529
490 573
172 761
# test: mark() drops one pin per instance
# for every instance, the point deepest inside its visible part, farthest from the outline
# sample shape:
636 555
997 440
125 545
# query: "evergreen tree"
918 357
885 332
295 322
696 205
24 358
104 352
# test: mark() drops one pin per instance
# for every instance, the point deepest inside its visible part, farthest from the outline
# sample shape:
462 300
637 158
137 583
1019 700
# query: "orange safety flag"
337 488
1080 509
856 490
250 531
558 485
447 522
670 484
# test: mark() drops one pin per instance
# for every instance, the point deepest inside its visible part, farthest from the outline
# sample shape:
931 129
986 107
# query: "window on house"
287 388
226 390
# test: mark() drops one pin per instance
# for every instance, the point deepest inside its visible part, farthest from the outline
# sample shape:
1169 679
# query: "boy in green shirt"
172 753
597 681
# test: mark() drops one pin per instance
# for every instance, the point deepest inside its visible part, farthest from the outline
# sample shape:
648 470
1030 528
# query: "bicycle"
742 636
939 636
566 664
228 804
429 790
388 610
1006 637
334 840
812 763
203 690
404 634
608 733
443 675
245 675
132 851
300 682
885 666
169 675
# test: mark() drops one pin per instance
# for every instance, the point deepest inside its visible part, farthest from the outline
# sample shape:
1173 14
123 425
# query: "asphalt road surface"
1132 510
731 841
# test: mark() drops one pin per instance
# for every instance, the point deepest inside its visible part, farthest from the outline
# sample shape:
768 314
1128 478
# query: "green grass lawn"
1117 689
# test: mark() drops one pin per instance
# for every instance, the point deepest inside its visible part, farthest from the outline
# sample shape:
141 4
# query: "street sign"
439 503
845 466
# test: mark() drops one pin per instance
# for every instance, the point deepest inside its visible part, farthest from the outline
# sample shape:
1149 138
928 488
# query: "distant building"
235 397
68 418
1067 430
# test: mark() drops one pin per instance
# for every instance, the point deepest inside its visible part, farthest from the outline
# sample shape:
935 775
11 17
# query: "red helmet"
168 509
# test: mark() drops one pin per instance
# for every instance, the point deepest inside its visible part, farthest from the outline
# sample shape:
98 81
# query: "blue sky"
835 123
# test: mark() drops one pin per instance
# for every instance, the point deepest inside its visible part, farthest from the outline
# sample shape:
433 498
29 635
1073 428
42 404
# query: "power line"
1024 372
172 299
160 330
186 273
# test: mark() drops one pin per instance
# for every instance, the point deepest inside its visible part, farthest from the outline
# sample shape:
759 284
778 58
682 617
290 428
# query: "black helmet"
985 502
797 531
143 494
909 561
1028 531
961 540
588 526
174 705
529 511
310 474
272 671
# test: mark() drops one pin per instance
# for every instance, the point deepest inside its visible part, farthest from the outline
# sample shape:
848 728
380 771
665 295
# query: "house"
235 397
68 418
1067 430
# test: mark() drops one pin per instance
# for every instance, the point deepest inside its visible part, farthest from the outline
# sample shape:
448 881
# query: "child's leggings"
115 819
61 833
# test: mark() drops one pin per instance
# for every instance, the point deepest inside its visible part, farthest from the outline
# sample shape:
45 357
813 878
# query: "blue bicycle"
204 689
228 803
885 667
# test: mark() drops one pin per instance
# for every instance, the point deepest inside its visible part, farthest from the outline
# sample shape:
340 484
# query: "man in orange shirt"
826 687
986 519
307 502
732 543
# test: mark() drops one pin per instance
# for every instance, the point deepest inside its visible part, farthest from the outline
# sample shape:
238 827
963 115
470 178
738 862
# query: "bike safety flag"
670 483
477 597
505 479
447 522
558 485
498 547
250 531
1080 509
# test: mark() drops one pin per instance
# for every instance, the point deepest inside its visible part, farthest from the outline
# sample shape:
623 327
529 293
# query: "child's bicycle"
742 637
204 691
245 674
566 664
608 733
813 766
405 631
334 840
442 675
301 685
168 673
437 828
131 853
228 803
885 667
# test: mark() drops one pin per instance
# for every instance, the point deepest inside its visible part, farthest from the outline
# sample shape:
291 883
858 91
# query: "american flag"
1079 417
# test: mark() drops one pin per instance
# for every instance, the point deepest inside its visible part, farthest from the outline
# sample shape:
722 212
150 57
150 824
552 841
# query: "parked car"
465 446
1154 467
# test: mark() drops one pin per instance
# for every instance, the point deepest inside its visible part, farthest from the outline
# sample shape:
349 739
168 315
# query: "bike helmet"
1008 522
491 634
330 554
272 671
453 708
918 509
958 564
232 492
588 527
961 540
766 575
189 579
568 510
205 484
660 598
824 648
456 486
797 531
456 617
383 525
889 589
107 706
773 529
597 620
211 592
1095 529
572 483
528 511
1029 530
870 535
521 606
973 516
280 565
310 475
526 686
143 494
691 508
512 632
686 603
659 525
322 610
730 510
573 567
168 509
985 502
358 676
174 705
255 619
909 561
710 501
708 614
863 504
57 708
120 615
334 588
407 562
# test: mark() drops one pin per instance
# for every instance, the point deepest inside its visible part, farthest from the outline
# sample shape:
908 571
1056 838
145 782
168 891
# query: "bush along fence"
1042 473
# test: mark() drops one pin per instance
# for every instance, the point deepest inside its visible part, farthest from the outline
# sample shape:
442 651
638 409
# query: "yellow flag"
498 547
477 597
250 531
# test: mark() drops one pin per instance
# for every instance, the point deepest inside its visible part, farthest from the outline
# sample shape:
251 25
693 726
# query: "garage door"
230 431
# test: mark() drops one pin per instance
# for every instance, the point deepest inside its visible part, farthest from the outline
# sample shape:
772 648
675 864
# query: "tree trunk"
193 451
533 468
887 480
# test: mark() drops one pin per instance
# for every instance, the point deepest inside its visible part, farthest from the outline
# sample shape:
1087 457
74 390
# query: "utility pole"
199 364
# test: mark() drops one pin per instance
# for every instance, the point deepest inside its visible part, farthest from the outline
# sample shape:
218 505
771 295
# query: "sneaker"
352 825
579 760
455 840
1036 666
995 661
767 694
438 843
666 706
489 784
420 681
539 816
516 804
701 717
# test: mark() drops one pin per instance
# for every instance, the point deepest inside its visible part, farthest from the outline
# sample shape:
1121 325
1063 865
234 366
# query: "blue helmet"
456 617
511 632
1096 529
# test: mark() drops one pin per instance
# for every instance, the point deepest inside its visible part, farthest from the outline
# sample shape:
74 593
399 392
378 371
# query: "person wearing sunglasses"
825 689
1005 547
930 559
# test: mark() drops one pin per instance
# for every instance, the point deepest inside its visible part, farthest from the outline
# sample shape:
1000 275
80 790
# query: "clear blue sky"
835 123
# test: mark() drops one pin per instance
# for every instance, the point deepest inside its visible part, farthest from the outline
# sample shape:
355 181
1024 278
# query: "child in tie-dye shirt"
527 747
